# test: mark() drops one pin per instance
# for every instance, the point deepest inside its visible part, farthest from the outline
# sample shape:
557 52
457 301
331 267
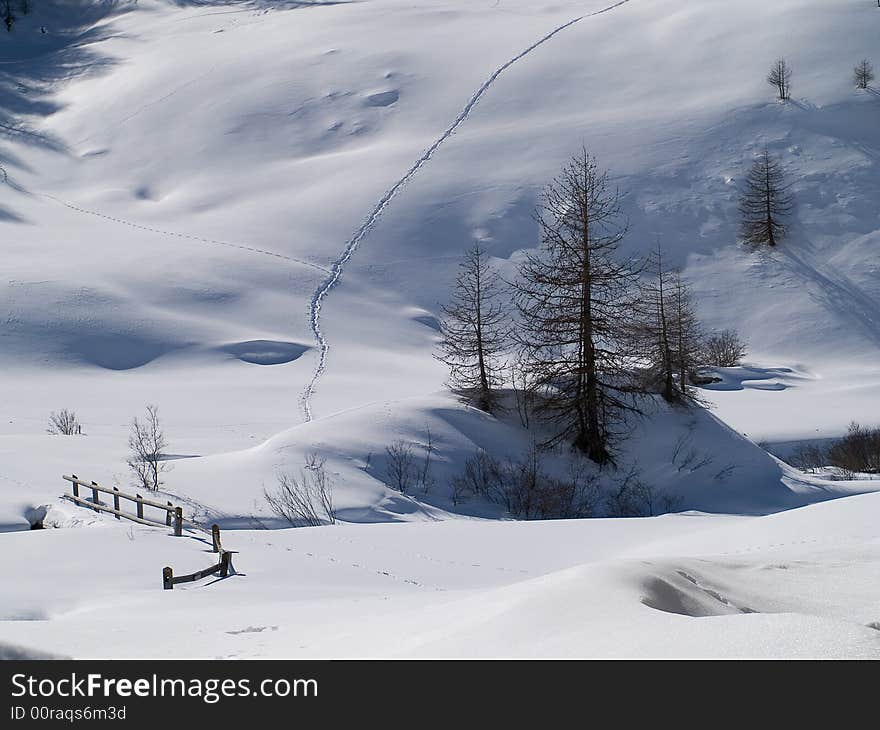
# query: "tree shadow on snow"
55 42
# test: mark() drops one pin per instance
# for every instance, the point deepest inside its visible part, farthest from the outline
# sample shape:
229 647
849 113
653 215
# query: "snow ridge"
337 267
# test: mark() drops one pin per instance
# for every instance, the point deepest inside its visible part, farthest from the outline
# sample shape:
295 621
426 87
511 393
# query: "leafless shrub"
858 451
685 456
482 476
724 472
671 502
401 466
808 458
64 423
525 489
725 349
576 496
306 499
630 497
146 441
523 392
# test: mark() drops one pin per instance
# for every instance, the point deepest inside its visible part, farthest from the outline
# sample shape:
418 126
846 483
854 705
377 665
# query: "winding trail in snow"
339 264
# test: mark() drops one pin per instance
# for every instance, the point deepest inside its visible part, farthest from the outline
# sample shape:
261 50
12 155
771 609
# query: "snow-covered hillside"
250 214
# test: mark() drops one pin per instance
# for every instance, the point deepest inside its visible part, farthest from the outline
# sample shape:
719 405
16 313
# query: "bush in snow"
306 499
808 458
525 488
401 466
858 451
725 349
64 423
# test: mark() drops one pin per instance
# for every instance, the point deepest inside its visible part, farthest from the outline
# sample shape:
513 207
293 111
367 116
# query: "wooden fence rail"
223 567
172 513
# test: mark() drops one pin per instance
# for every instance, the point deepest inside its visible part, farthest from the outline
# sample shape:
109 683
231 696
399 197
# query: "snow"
249 214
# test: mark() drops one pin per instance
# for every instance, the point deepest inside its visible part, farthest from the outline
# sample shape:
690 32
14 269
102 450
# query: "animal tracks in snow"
354 242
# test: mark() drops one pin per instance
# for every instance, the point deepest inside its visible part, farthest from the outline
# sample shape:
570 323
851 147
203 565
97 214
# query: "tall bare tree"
766 202
473 329
147 444
652 330
575 301
863 74
667 330
687 336
780 77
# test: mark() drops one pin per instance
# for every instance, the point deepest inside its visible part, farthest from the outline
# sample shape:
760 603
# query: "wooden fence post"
95 495
168 514
215 537
116 502
167 578
140 506
178 521
75 485
224 563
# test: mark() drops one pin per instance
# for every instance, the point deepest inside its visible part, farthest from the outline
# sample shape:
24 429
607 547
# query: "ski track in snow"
337 267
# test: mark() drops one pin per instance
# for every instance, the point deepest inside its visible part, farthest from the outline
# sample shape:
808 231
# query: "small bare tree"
725 349
780 77
473 330
687 336
863 74
765 202
64 423
146 441
524 390
306 499
401 466
424 478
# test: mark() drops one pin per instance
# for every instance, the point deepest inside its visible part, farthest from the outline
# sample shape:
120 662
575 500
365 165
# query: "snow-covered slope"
201 201
797 584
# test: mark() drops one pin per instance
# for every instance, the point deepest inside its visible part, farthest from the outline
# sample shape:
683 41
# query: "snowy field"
250 214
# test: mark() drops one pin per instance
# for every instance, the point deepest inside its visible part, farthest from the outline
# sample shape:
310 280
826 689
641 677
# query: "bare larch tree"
473 330
652 329
765 203
863 74
780 77
687 336
575 301
668 331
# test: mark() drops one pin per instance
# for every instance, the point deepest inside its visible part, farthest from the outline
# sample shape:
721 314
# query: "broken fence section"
223 567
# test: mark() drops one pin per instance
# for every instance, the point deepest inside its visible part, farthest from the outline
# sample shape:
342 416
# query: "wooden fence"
172 514
223 567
